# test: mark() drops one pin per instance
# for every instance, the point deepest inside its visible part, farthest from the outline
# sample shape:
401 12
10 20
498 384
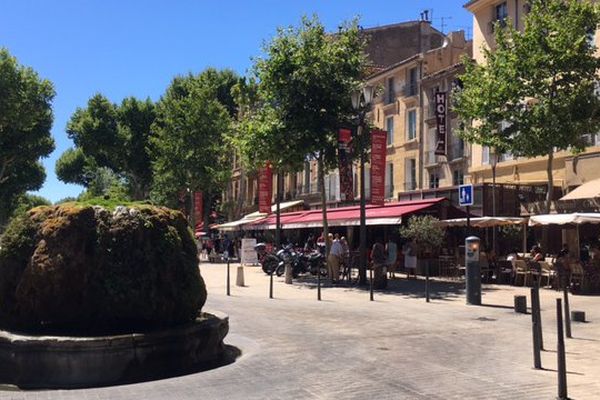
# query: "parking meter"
473 270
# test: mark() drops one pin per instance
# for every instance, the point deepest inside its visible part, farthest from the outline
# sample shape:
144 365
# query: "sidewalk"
396 347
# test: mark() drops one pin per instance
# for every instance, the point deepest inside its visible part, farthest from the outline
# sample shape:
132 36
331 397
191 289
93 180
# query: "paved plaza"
397 347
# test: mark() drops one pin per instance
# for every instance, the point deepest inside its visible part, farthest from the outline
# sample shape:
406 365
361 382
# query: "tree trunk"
278 211
242 195
550 193
321 179
549 197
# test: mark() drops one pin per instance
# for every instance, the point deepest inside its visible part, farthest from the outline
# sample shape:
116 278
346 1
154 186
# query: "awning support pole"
524 238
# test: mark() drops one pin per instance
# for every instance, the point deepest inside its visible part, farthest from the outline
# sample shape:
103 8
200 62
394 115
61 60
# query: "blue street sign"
465 195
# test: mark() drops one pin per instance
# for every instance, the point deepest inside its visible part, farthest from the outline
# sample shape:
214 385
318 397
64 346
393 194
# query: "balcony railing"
410 89
389 191
458 151
431 158
408 186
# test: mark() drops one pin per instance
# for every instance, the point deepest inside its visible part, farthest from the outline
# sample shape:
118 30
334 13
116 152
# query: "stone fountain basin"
30 361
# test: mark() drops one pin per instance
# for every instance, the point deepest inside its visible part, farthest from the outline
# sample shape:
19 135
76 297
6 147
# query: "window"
411 89
411 124
391 92
501 13
485 155
458 177
389 180
389 125
306 177
410 174
434 180
434 90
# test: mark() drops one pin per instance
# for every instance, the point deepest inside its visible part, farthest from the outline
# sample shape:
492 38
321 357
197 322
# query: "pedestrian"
335 256
321 244
378 262
345 261
392 255
410 258
309 246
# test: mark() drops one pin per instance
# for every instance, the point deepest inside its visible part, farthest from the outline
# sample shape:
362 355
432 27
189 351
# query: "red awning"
388 214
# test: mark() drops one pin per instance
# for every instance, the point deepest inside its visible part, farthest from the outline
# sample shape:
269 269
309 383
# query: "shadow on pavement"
410 288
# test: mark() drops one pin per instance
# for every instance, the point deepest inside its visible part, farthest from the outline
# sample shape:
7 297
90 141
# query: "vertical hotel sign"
378 152
265 189
440 116
346 184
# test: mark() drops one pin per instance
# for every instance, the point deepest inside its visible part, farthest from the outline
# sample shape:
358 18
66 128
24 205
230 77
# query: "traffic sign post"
465 199
465 195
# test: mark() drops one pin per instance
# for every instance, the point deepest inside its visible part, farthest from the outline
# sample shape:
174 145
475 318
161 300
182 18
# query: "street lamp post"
361 101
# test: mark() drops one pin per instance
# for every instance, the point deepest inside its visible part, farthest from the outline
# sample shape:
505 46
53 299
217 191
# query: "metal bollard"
427 281
536 308
567 313
560 352
228 279
537 359
371 283
520 304
271 285
319 284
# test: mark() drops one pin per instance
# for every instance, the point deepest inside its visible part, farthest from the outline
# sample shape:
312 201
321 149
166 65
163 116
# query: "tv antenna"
443 23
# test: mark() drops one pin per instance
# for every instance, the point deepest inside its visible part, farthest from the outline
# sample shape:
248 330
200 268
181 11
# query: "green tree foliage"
535 93
25 122
425 231
110 136
306 80
190 147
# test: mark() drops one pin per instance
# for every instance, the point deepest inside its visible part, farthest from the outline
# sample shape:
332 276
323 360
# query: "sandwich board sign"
465 195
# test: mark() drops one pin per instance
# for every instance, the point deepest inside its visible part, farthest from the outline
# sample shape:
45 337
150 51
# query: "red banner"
346 184
198 208
378 153
265 189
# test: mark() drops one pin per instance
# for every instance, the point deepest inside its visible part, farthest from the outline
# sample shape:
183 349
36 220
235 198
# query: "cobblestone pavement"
397 347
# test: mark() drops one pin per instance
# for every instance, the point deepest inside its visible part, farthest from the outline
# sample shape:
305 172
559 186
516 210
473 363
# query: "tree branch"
5 165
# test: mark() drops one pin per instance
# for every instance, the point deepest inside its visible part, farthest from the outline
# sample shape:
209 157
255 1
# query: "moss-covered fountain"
94 296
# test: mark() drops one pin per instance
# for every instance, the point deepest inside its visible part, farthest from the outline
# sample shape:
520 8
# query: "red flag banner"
440 116
265 189
198 207
346 184
378 153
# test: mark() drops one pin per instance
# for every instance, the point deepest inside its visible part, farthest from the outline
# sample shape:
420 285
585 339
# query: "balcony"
431 158
410 185
410 89
492 24
389 191
458 151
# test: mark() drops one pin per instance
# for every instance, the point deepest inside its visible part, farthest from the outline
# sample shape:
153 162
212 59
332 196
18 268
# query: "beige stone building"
568 171
405 108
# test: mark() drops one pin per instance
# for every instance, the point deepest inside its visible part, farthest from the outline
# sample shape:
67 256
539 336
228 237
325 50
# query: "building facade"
568 171
405 108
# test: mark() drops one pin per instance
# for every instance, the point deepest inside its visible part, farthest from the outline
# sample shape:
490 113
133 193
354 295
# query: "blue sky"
134 48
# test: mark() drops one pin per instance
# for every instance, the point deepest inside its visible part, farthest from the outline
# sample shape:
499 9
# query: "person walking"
410 258
392 255
379 259
333 261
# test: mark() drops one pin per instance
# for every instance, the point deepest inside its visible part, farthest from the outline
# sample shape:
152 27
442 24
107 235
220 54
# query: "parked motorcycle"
315 262
268 261
302 263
